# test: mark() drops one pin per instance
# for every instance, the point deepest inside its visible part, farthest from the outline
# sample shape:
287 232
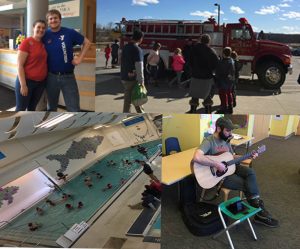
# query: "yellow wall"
251 118
290 125
283 127
296 122
186 127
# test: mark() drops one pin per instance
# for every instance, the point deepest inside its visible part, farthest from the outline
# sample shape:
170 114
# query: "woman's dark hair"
39 21
137 35
205 39
156 46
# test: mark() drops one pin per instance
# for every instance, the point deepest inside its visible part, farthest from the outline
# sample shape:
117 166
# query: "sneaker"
265 220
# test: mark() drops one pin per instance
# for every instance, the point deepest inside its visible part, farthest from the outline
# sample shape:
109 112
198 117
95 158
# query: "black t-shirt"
147 169
130 55
114 49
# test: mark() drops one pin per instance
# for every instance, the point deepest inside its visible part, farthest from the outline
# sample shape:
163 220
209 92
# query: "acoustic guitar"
208 177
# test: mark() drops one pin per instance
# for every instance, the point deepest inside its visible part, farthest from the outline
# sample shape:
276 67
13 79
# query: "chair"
172 145
238 217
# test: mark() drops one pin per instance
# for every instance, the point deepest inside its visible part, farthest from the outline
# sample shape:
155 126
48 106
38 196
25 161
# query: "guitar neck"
239 159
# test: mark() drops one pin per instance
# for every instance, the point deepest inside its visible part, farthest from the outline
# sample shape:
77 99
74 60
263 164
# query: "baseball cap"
226 123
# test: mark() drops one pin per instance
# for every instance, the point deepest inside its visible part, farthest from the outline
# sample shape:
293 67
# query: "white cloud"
236 10
206 14
292 15
281 18
144 2
291 29
284 5
268 10
255 29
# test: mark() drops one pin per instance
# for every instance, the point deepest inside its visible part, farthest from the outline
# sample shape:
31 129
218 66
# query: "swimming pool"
56 220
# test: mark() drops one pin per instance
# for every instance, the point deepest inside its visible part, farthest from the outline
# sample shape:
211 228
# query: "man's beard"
225 138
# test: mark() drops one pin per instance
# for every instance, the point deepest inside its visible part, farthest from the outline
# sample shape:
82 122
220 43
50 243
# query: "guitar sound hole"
220 173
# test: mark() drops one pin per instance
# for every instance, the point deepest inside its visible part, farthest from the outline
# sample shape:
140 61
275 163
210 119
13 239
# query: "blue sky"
276 16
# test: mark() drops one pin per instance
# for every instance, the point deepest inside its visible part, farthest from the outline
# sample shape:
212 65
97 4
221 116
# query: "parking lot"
252 98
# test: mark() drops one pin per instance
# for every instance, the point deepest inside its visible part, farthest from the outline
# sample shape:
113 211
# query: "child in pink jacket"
177 66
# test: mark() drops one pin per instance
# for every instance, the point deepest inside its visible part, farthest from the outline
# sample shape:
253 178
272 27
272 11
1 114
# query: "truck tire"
271 75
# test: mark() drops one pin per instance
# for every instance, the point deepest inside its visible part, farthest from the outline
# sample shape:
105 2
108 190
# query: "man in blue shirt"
132 69
59 42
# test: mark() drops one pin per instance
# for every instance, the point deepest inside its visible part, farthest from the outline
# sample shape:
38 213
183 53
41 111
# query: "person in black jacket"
114 54
186 52
203 63
225 75
237 67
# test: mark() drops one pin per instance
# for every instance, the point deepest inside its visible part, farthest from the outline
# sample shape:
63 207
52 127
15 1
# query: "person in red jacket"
107 54
177 66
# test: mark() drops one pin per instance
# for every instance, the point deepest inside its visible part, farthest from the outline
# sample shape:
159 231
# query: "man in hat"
244 178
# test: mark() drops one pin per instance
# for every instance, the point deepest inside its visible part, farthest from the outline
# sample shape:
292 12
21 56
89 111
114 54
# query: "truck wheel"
272 75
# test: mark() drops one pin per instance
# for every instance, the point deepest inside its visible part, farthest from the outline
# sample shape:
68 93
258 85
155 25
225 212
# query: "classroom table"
175 167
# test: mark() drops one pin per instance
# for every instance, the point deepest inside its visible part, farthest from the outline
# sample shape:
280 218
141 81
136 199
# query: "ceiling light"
6 7
54 121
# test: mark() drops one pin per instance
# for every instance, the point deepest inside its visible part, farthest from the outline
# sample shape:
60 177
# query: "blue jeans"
244 179
35 92
68 85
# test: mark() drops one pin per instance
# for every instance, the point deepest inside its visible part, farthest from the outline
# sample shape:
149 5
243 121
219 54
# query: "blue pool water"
157 223
154 233
56 220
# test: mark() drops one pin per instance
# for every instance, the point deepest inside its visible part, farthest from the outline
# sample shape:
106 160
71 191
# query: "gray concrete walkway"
251 97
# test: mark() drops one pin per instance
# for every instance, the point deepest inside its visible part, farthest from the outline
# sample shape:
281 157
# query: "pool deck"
118 218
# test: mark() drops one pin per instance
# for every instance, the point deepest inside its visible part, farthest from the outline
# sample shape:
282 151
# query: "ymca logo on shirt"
62 37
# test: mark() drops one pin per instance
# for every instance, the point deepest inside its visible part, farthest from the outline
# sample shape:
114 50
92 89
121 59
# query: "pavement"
251 97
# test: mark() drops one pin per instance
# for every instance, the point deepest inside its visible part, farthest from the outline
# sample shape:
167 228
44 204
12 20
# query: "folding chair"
239 217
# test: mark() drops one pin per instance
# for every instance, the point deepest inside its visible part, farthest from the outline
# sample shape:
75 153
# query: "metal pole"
219 15
219 7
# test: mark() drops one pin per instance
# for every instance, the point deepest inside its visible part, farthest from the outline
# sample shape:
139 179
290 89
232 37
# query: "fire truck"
271 61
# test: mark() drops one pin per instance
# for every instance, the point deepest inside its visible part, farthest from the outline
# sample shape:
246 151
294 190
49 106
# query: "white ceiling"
21 124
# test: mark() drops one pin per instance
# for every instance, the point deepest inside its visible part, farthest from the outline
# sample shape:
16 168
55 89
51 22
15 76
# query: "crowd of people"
204 72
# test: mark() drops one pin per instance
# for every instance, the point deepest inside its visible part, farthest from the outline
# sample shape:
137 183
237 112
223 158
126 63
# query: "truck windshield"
241 34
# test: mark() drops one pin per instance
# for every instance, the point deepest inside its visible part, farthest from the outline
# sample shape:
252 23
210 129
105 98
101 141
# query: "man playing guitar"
243 179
